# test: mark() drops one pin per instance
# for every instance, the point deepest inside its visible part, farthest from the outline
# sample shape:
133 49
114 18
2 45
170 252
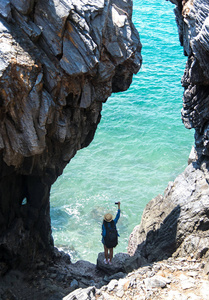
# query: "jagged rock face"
177 223
192 20
59 61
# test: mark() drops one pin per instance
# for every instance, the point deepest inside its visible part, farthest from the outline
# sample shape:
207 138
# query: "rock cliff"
192 20
177 223
59 61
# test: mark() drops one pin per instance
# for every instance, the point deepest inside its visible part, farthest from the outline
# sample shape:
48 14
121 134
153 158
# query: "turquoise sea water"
140 145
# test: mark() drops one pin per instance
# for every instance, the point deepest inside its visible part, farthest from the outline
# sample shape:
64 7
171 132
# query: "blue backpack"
111 238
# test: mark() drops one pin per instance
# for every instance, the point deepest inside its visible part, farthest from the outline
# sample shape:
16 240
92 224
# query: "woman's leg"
111 254
106 253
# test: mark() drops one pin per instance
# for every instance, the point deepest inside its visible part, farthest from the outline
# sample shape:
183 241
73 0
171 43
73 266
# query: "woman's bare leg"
111 254
106 253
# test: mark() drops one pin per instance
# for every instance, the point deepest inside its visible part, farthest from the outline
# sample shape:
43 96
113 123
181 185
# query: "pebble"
155 282
113 283
186 283
120 293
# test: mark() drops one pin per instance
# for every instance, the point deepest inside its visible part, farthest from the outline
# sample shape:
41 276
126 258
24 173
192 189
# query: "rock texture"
170 279
122 263
59 61
174 278
192 20
177 223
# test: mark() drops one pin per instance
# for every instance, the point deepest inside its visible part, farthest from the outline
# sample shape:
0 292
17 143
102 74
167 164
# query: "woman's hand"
118 205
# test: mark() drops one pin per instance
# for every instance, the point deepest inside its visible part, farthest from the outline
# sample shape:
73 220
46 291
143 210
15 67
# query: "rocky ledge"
174 278
176 223
182 278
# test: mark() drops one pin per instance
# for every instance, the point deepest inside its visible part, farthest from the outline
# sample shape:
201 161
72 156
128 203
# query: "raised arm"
118 214
118 205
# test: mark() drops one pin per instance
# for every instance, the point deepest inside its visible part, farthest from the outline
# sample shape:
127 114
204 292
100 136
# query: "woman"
108 229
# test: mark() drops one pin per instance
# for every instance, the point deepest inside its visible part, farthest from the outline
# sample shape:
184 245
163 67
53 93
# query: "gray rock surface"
59 61
121 262
174 278
179 278
192 20
178 222
118 263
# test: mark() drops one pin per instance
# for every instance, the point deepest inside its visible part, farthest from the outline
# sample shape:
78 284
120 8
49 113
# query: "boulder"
121 262
117 263
83 269
177 223
155 282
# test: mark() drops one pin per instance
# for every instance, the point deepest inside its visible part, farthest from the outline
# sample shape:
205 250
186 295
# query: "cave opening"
140 144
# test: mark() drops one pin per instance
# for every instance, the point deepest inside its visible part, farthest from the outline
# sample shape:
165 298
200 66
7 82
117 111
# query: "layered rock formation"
192 20
59 61
177 223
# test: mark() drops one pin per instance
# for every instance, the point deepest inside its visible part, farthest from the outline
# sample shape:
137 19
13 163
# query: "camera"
116 203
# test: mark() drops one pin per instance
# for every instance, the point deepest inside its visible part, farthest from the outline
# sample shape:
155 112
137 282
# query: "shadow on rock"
161 243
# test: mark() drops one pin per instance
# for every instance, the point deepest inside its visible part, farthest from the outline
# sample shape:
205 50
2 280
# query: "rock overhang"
59 61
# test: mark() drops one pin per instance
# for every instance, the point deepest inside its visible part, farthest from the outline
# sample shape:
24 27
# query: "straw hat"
108 217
